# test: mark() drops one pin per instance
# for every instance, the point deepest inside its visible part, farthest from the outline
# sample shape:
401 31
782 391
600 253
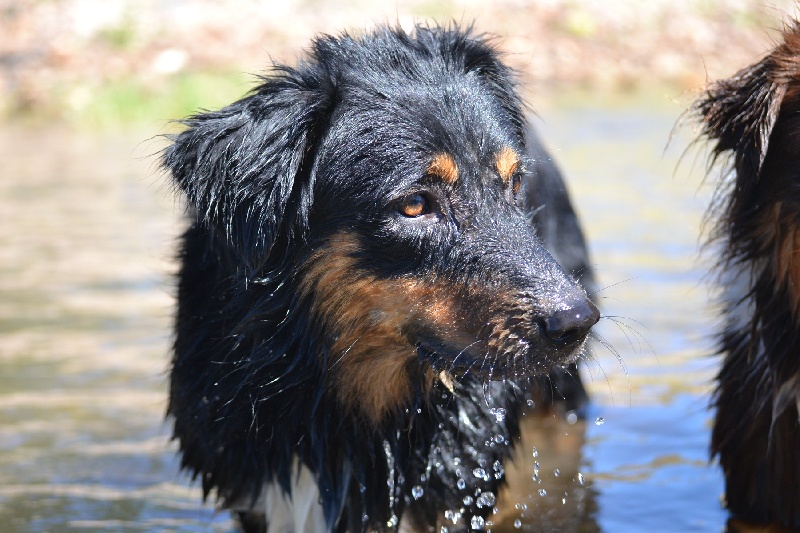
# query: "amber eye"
516 182
414 205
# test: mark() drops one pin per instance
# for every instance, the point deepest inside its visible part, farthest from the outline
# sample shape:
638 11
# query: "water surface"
86 242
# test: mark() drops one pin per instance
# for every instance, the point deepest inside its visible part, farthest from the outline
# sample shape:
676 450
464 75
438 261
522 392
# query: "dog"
754 119
366 303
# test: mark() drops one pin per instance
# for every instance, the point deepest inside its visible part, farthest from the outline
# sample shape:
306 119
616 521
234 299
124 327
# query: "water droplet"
572 417
453 516
499 471
476 522
467 500
461 484
417 492
600 421
581 479
499 439
556 472
531 403
499 413
444 529
456 461
536 467
542 492
419 411
486 499
518 522
479 472
535 452
392 521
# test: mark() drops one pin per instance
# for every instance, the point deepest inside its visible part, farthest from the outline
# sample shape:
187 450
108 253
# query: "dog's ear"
740 112
246 170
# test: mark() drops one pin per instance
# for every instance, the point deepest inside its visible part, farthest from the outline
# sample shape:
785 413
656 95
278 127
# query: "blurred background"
88 227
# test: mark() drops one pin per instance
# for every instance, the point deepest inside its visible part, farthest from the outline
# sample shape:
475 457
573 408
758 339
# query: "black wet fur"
753 119
327 148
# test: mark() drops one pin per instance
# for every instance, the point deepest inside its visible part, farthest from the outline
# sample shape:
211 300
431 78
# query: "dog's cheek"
371 324
362 319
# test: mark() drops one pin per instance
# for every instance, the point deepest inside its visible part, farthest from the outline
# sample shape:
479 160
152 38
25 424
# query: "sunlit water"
86 239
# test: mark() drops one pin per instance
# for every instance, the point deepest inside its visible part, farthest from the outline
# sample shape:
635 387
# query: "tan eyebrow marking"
506 161
444 166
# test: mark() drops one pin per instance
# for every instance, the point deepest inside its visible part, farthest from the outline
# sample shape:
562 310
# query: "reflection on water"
85 303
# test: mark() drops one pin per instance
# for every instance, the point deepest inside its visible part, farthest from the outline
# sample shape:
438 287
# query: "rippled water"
86 240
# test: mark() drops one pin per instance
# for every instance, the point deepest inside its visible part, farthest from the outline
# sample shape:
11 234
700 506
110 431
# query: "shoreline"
87 61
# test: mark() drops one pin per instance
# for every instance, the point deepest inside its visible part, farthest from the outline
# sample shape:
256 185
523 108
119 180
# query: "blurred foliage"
103 63
133 101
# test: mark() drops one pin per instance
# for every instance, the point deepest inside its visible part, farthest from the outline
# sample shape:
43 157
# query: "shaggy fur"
754 117
364 306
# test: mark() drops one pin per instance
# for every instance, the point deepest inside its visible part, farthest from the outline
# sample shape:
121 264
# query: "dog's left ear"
246 169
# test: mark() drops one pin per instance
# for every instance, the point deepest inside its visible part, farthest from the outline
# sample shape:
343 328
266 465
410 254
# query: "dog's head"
383 179
754 117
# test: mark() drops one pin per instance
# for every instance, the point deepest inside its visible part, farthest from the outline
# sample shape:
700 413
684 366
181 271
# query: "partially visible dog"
754 117
364 305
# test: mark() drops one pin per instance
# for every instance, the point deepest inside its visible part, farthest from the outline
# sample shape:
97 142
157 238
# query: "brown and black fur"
363 292
754 118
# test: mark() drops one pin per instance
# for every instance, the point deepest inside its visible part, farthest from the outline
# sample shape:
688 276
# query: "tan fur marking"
368 360
506 162
786 237
444 166
446 379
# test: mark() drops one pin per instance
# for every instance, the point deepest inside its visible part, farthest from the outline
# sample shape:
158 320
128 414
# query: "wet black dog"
363 300
755 117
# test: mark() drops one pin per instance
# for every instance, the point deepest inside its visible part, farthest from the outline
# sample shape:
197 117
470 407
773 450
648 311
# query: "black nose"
570 325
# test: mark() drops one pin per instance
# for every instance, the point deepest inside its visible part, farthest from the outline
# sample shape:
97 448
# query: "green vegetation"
134 101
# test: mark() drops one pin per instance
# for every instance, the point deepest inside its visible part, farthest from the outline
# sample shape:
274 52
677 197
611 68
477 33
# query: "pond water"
86 242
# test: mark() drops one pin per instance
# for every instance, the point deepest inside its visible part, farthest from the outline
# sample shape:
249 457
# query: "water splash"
453 516
477 522
487 499
499 413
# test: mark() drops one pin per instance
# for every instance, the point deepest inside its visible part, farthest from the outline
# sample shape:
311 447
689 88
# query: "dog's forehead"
454 131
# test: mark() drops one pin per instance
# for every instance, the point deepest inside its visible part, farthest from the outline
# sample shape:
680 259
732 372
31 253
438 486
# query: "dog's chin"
524 362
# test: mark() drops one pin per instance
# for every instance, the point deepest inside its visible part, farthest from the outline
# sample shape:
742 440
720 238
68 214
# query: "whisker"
612 285
607 345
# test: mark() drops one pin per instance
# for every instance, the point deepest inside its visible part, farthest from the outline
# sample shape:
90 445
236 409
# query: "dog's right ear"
246 170
740 112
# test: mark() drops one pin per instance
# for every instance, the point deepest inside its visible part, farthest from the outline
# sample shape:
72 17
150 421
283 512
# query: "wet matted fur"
754 117
364 304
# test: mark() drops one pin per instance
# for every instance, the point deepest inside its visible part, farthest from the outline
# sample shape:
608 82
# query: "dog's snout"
570 325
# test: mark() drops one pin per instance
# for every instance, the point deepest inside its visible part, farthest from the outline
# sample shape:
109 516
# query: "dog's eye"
414 205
